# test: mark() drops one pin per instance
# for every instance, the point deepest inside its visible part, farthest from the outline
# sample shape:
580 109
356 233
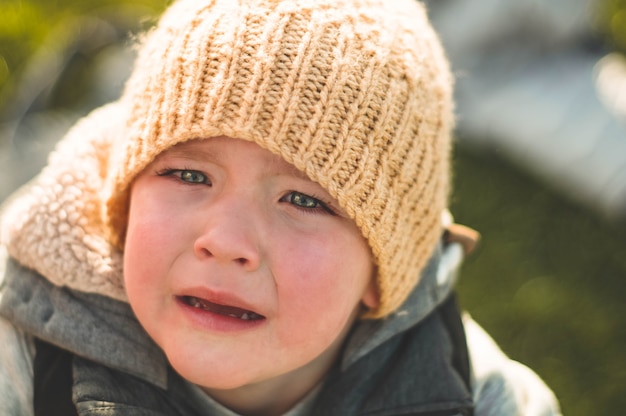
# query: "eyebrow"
189 150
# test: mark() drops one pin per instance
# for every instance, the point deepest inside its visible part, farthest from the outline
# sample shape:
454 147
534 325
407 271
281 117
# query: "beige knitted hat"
354 93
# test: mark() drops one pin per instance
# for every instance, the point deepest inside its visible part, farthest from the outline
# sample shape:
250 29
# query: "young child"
258 227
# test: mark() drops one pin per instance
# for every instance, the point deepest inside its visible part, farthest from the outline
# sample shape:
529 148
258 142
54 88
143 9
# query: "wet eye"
306 202
187 176
193 176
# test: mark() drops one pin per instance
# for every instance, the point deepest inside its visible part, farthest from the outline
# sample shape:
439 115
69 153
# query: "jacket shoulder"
421 371
501 385
16 370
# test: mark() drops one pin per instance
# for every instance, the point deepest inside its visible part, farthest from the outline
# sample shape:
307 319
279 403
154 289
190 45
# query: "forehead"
216 149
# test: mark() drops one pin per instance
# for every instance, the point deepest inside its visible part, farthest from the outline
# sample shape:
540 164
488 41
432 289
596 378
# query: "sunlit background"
549 277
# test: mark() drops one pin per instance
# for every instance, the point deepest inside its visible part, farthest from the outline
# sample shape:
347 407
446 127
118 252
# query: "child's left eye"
193 176
306 202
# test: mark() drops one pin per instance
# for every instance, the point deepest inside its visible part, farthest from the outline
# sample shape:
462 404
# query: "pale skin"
246 273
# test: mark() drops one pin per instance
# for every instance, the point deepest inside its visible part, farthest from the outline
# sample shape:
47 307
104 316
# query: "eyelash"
178 173
320 205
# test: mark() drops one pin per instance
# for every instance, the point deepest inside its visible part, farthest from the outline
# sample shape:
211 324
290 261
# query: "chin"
205 373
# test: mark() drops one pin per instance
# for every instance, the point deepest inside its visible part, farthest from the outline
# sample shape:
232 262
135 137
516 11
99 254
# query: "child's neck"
271 399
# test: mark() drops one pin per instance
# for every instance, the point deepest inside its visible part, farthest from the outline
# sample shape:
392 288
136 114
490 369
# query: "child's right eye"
187 175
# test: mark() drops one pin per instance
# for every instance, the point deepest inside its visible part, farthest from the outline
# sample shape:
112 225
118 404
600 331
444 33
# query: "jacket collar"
106 330
437 281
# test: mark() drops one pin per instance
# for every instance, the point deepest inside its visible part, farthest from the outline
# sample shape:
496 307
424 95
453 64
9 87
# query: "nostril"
204 252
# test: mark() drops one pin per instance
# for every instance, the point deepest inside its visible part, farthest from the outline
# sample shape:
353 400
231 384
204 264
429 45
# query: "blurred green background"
549 277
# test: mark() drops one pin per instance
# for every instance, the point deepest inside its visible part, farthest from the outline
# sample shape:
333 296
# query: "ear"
370 298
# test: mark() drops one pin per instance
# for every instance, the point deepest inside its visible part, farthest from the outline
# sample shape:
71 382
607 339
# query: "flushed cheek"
317 295
144 255
143 280
148 255
156 235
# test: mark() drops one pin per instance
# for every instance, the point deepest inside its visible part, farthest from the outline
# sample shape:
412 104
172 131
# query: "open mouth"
230 311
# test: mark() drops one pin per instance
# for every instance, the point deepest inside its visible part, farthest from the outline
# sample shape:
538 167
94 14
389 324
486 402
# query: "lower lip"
211 321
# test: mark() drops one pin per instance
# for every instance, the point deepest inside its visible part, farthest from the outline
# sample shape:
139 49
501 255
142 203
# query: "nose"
229 235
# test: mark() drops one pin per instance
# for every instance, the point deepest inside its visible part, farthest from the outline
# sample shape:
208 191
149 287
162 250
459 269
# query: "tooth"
245 316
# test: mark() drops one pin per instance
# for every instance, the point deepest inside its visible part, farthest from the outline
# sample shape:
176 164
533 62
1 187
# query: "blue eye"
303 201
193 176
306 202
186 175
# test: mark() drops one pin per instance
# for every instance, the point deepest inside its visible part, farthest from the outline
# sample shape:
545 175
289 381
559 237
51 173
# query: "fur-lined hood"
54 224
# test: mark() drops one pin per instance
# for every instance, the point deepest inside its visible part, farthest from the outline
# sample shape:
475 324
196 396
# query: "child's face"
222 227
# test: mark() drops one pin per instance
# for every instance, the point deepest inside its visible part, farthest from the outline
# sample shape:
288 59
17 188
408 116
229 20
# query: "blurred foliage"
30 27
547 282
611 21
